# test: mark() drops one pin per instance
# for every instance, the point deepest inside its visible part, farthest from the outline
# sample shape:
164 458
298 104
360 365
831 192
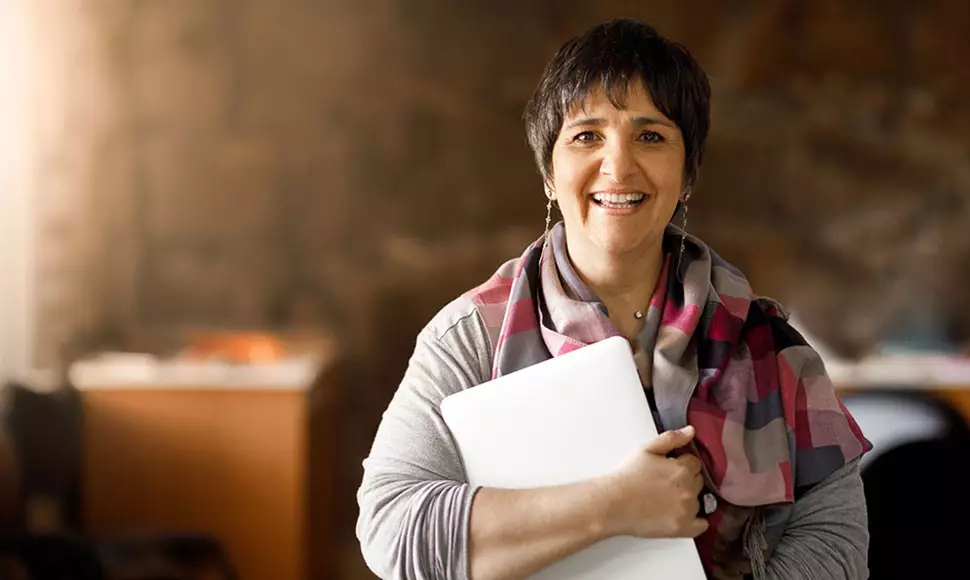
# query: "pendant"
638 314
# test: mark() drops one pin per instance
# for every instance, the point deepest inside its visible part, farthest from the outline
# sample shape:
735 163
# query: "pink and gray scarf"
769 423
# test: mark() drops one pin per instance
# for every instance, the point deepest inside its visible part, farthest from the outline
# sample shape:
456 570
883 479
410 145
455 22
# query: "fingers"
668 441
698 484
691 462
694 507
696 527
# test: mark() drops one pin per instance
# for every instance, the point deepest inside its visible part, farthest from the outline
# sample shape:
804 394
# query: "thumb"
668 441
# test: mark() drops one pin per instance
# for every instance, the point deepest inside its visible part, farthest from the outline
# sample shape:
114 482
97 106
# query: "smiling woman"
617 125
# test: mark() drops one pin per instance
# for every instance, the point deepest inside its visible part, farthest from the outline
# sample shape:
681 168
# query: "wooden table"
246 456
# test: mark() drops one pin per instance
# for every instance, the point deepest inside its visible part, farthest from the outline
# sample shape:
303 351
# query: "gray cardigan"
415 501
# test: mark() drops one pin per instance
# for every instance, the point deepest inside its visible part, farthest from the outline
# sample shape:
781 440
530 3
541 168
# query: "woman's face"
617 174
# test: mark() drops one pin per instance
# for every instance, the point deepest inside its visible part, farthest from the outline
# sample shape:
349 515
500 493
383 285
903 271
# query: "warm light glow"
16 248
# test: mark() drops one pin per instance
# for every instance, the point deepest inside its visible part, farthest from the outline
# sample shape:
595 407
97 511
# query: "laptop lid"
567 419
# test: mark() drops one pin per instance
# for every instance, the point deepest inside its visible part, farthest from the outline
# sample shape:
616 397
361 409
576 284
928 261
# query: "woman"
618 124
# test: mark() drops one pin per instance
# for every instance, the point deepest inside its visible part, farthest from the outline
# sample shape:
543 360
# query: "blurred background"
224 222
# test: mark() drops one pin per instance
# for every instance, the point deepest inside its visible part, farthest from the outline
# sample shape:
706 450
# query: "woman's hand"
654 496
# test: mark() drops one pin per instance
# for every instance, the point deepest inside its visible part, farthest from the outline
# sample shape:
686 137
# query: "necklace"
638 314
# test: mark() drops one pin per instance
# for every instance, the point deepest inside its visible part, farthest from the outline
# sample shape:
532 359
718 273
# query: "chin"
619 244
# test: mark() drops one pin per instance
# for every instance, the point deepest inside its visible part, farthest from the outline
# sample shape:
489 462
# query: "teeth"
618 197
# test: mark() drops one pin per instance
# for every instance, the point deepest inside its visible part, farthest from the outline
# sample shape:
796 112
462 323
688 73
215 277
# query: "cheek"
571 175
667 173
568 183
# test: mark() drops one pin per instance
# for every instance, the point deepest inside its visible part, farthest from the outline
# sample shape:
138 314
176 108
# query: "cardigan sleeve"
414 498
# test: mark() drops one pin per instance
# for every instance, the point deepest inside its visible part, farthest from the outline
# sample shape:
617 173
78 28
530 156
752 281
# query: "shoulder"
455 346
476 312
459 319
778 321
466 330
787 342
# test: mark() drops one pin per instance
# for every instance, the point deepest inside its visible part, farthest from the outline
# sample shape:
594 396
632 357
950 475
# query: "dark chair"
165 557
49 557
916 484
40 465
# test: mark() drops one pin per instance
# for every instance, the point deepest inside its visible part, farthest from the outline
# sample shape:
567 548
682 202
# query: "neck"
623 282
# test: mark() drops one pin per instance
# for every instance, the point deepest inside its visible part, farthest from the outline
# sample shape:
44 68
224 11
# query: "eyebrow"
637 121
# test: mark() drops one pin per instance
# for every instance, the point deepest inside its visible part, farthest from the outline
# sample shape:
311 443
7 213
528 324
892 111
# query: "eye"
585 137
651 137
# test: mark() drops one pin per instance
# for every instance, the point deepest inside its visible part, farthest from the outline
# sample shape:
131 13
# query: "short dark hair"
615 54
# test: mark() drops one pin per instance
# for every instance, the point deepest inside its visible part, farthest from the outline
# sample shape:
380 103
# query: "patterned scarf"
769 423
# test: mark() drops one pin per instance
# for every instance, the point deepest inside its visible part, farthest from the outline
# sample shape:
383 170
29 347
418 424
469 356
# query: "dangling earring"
683 227
550 197
548 216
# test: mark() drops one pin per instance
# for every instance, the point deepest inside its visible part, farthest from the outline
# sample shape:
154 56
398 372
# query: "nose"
617 161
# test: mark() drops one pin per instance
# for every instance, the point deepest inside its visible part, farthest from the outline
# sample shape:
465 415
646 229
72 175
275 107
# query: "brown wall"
208 162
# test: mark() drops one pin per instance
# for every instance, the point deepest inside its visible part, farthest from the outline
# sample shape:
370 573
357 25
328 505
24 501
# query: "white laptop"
568 419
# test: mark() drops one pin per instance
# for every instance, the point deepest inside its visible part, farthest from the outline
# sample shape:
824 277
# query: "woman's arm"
414 504
516 533
827 537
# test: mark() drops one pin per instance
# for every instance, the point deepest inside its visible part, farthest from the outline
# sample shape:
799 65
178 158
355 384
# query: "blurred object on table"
235 347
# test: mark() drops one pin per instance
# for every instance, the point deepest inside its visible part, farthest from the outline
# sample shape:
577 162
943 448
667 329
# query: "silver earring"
548 215
683 227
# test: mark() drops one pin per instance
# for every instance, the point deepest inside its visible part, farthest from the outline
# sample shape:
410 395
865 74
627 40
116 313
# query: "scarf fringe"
756 544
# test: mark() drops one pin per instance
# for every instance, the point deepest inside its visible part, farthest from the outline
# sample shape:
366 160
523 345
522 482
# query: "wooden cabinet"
253 465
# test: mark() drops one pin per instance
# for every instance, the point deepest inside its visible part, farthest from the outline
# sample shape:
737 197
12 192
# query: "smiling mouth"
618 200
